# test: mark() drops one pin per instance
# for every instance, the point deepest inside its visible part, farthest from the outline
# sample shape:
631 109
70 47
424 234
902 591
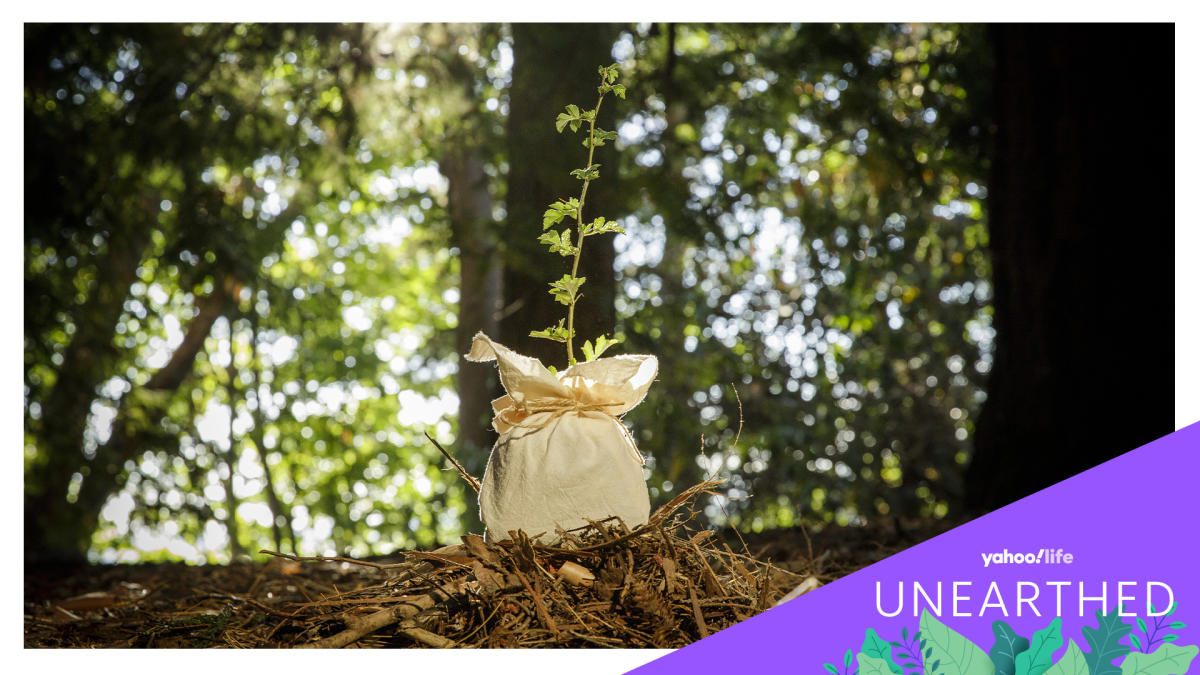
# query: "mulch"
663 585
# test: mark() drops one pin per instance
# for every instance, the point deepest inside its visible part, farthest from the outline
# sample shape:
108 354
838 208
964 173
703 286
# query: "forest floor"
663 586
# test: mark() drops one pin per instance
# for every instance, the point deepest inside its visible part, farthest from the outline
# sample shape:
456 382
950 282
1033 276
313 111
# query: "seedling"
566 289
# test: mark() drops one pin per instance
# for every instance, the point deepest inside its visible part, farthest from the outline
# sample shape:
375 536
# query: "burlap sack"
563 456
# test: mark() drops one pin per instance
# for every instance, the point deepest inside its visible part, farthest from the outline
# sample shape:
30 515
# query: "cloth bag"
563 456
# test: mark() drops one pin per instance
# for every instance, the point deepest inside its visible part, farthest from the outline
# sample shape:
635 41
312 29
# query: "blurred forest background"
930 259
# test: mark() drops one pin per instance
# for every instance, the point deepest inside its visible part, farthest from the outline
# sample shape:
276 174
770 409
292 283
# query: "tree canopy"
256 248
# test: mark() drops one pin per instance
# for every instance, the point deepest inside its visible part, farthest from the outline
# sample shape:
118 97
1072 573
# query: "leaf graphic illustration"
1166 660
1039 656
957 654
1105 643
874 646
1008 645
1072 663
870 665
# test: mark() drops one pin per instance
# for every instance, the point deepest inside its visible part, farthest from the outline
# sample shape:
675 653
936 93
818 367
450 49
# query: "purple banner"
1095 575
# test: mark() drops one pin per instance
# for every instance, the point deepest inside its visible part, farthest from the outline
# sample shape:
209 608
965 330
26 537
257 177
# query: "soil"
663 586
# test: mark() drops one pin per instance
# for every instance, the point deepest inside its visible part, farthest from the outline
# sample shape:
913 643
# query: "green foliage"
603 342
1152 635
566 290
869 664
1072 662
1038 658
948 651
807 227
1008 645
941 645
801 224
874 646
1168 659
262 170
1104 640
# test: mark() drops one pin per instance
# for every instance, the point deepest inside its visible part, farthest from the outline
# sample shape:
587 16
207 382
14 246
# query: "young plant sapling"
564 459
566 289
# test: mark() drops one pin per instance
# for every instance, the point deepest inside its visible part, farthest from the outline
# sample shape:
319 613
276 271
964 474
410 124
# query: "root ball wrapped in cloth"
563 456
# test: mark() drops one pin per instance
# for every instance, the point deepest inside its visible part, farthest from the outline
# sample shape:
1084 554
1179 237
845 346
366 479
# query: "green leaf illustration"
959 655
831 668
1105 643
1039 656
1008 645
1072 663
874 646
870 665
1166 660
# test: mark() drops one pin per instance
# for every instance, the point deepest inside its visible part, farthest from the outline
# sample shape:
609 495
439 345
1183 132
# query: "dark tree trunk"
553 65
52 532
1081 217
475 236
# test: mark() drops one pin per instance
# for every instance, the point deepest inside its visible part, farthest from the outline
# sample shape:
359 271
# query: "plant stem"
579 226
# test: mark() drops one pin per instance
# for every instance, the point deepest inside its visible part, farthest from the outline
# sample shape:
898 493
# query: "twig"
699 615
358 628
660 515
738 436
427 638
321 558
471 480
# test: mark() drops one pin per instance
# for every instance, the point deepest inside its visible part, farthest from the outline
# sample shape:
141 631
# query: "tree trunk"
51 530
1080 232
553 65
479 305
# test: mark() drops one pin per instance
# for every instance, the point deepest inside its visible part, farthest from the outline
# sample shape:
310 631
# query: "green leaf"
1166 660
602 226
1104 641
1133 639
1037 659
1142 624
872 665
590 173
849 659
559 242
559 210
557 333
566 289
603 343
1176 625
960 655
1170 638
619 90
1008 645
831 668
1072 662
872 644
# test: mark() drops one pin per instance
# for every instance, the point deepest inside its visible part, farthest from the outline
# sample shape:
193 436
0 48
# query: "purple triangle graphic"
1126 523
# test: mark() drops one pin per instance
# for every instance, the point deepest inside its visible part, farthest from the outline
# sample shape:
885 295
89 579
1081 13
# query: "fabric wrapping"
563 456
